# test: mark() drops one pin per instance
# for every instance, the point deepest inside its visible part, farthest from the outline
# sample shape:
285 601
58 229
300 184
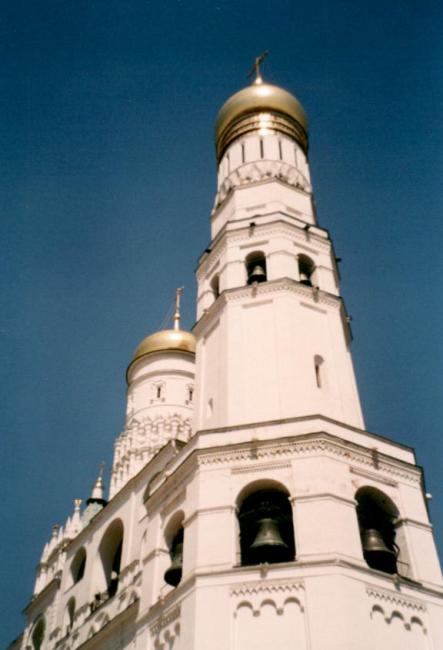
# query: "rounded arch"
174 524
256 270
260 484
319 370
174 540
38 633
78 565
306 268
377 515
70 614
264 514
110 552
215 286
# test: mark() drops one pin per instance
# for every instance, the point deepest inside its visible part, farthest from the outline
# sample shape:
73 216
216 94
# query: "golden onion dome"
171 340
165 340
174 340
281 110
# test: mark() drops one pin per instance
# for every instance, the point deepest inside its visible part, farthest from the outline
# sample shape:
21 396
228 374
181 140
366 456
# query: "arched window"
174 537
319 371
111 554
306 268
376 519
78 565
215 286
38 634
266 527
70 613
256 267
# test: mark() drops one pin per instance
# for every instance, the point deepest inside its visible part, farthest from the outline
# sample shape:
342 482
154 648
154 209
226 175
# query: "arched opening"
256 267
174 537
266 526
215 286
38 634
110 551
70 613
78 565
306 268
376 519
319 370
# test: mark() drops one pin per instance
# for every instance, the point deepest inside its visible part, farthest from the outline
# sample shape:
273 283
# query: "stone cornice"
309 444
272 287
294 230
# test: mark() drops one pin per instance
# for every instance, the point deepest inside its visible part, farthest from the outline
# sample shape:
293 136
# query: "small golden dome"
165 340
258 98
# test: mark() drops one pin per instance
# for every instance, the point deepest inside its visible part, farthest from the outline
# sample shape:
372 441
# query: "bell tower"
273 333
249 508
332 547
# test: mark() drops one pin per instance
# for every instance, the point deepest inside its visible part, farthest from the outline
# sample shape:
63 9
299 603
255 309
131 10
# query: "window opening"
173 574
376 518
266 528
280 150
38 635
215 286
262 149
190 393
243 152
318 363
71 613
256 267
78 565
306 269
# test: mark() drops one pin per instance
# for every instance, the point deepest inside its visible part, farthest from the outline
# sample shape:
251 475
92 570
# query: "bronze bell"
305 279
257 274
377 554
268 545
173 575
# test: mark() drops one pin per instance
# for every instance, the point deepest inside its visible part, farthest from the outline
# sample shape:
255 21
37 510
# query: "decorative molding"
317 443
373 476
270 587
165 618
261 170
259 468
394 598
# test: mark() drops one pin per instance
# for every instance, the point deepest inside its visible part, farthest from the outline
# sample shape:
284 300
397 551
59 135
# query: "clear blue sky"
107 180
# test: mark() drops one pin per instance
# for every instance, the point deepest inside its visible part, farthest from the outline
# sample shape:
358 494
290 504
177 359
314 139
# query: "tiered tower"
277 521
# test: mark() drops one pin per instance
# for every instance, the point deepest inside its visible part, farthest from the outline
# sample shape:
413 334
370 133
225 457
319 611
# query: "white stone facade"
275 411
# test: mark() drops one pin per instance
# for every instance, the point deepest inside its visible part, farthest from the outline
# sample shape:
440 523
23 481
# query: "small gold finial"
178 293
256 68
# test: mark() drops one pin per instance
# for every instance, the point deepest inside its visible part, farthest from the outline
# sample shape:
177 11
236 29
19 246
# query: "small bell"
257 274
305 279
173 575
377 554
268 545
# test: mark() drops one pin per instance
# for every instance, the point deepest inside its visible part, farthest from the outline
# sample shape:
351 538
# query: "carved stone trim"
251 588
395 598
261 170
259 468
319 444
165 618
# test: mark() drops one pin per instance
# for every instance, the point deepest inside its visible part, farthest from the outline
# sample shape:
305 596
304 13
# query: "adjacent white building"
249 508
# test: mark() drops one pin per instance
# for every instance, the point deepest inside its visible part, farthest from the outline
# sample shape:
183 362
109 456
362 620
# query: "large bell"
268 545
257 274
377 554
173 575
